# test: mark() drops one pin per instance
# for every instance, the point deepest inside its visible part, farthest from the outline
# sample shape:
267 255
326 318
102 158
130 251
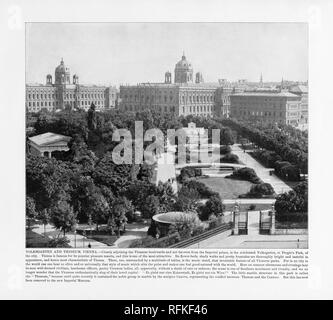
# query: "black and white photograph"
166 135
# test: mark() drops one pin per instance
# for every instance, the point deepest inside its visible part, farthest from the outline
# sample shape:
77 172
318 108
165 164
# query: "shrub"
292 217
252 207
225 149
189 172
230 158
247 174
215 222
291 172
200 187
262 189
213 206
59 242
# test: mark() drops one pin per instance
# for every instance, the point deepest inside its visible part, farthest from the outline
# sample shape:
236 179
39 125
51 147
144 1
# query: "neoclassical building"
274 107
64 93
183 97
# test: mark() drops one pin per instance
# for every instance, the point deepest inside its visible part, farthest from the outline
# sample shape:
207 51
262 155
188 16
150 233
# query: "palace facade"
275 107
183 97
64 93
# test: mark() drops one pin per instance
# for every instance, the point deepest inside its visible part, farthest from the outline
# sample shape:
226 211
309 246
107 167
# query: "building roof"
265 94
299 89
204 85
49 138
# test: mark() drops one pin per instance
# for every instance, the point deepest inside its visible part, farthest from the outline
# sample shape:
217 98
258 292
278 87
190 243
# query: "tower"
75 79
62 74
261 82
198 77
49 79
167 78
183 71
62 78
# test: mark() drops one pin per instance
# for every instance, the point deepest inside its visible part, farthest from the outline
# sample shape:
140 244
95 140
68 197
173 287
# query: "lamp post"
236 218
74 227
272 231
90 223
84 235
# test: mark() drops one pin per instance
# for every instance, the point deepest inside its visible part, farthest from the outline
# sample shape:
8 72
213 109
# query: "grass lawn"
103 236
35 240
227 188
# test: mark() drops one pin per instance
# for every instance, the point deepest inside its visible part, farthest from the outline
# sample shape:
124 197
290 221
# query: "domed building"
66 94
62 74
181 98
183 71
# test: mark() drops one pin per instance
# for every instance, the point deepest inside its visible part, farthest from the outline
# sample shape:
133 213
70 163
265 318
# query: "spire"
183 56
260 82
62 61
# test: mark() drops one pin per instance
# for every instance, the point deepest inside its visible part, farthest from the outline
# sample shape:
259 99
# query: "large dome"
62 74
183 63
61 67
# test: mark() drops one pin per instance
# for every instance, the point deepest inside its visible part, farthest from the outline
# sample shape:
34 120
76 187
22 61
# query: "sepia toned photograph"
166 135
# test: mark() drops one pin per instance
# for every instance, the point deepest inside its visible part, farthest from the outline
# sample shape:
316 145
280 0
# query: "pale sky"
120 53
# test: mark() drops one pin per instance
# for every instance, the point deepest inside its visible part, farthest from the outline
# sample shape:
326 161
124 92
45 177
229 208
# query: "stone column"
236 220
272 230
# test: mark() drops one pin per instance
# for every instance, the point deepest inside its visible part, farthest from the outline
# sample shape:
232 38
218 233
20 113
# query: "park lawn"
227 188
35 240
103 236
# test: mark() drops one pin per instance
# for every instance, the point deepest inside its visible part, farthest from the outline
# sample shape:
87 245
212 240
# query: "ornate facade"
274 107
183 97
64 93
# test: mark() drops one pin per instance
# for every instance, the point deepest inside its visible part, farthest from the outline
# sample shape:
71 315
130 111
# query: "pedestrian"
89 245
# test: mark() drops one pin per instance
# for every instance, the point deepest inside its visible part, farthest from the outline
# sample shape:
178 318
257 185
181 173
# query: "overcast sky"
119 53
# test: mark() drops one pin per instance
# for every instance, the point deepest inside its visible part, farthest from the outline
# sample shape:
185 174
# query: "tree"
44 216
98 208
63 216
151 206
116 177
293 201
213 206
31 212
226 136
92 121
187 200
230 158
121 207
261 189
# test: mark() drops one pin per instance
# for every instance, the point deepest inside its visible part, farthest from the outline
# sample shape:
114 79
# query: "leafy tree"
187 200
213 206
92 121
151 206
121 207
63 216
44 216
226 136
166 196
47 178
98 208
115 177
261 189
31 212
230 158
293 201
